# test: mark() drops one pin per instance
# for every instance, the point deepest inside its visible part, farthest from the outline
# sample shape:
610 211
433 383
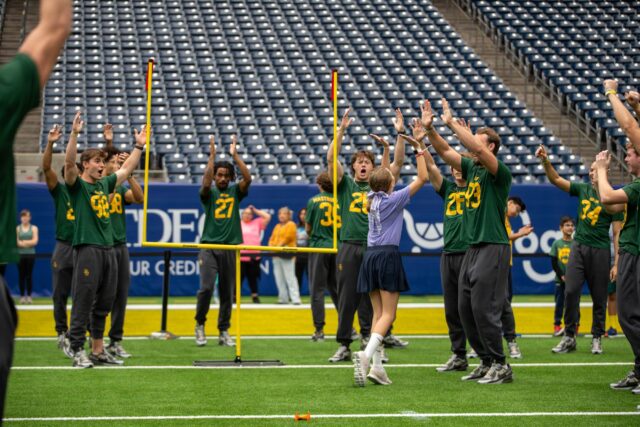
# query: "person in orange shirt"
284 234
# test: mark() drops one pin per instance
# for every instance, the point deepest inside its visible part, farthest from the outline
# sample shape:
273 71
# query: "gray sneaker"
391 341
116 349
514 350
498 374
627 383
201 338
379 376
104 358
317 336
636 390
596 345
354 335
455 363
566 345
225 339
360 368
80 360
383 356
342 354
472 354
65 345
364 341
476 374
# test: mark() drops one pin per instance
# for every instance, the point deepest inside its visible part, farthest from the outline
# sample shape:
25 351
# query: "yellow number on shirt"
473 195
70 214
588 212
116 204
100 205
361 199
327 209
458 200
224 209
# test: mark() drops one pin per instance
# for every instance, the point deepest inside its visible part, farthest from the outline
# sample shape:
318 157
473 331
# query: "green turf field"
170 387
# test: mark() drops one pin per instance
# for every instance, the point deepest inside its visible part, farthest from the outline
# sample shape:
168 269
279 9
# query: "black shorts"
382 269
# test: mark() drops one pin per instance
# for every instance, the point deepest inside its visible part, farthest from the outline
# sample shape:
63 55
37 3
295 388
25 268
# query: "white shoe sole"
378 380
359 370
502 381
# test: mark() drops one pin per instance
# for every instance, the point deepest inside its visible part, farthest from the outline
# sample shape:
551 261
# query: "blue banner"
175 215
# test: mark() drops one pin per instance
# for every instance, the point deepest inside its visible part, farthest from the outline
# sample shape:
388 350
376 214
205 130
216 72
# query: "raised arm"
385 152
266 217
633 99
419 133
107 133
398 152
49 174
44 43
70 168
344 124
444 150
625 119
609 196
207 178
135 193
132 162
550 171
245 182
423 175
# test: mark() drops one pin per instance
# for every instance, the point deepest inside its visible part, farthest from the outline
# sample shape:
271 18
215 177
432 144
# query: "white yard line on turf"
248 306
344 416
334 366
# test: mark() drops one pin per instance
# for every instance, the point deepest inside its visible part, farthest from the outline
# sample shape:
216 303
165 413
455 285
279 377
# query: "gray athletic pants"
61 278
507 319
450 264
348 260
95 272
628 298
8 324
122 293
223 265
483 286
592 264
322 277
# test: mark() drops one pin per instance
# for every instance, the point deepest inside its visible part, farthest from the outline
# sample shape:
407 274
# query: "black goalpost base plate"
237 362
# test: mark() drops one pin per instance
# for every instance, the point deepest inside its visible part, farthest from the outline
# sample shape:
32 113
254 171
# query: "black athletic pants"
322 277
223 265
348 261
302 261
250 270
8 324
122 293
507 319
95 273
450 264
25 273
592 264
483 287
628 291
61 278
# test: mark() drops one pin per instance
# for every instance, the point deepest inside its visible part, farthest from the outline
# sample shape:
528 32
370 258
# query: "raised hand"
107 132
122 157
633 98
541 152
78 123
380 140
610 84
141 137
415 144
212 145
417 130
426 114
346 121
233 150
54 134
447 115
398 121
462 122
603 159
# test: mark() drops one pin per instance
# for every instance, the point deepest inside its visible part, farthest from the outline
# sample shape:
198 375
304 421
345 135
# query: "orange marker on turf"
304 417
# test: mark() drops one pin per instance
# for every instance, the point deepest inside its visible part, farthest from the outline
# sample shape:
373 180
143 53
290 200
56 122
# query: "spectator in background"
27 234
284 234
559 253
302 241
252 231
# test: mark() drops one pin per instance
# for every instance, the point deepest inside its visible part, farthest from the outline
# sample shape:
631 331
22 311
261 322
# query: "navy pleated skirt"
382 268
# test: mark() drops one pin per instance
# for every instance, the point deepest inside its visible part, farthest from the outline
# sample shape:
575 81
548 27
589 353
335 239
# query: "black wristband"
139 147
402 132
415 151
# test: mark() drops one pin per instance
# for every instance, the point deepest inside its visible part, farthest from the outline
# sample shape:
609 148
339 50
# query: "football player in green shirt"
590 257
221 203
485 268
95 270
559 253
21 81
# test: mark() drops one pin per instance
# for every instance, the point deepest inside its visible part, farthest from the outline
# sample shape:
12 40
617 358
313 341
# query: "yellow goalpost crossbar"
238 248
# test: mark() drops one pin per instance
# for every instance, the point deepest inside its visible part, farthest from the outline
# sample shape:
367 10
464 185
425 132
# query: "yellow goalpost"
238 248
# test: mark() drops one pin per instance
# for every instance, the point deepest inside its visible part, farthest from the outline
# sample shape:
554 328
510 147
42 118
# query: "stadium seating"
572 46
261 69
2 8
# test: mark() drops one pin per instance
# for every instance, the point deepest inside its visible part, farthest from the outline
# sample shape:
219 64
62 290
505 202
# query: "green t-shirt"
354 214
222 215
65 218
593 221
629 234
561 249
19 93
485 203
454 201
320 217
118 215
93 212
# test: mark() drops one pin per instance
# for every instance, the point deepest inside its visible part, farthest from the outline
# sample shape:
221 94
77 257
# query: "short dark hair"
362 153
518 201
493 136
91 153
566 219
110 152
225 165
324 181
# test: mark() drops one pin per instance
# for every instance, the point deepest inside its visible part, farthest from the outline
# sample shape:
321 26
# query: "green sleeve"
554 249
310 212
73 188
55 192
576 188
618 217
111 182
503 174
632 190
239 194
205 196
444 188
466 165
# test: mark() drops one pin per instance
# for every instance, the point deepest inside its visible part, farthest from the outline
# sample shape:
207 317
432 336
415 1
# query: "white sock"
374 342
377 357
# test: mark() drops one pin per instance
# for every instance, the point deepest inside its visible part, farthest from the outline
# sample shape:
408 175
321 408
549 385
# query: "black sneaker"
627 383
477 373
317 336
455 363
255 299
104 358
498 374
566 345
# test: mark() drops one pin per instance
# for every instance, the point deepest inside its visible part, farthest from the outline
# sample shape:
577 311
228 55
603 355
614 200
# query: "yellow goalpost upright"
238 248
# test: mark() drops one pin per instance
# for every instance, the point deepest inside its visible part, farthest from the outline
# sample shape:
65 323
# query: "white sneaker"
225 339
596 345
80 360
472 354
379 376
514 350
343 353
201 338
360 368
